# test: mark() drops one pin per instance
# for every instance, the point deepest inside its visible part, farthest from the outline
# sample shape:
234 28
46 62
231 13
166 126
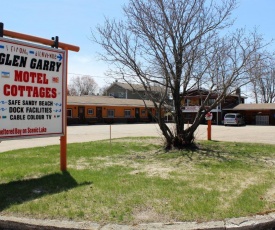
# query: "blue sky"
72 21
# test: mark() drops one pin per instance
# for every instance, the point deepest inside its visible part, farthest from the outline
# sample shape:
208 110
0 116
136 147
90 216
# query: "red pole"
63 152
209 130
63 139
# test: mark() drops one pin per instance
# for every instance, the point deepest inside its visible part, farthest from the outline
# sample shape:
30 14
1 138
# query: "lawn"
133 180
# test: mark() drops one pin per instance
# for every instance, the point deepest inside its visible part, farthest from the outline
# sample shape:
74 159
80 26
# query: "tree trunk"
185 140
178 139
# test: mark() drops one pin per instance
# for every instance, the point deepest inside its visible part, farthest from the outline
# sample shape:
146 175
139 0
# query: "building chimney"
238 92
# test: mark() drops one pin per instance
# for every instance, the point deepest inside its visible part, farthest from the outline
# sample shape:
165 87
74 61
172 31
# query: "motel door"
99 114
81 114
150 118
137 115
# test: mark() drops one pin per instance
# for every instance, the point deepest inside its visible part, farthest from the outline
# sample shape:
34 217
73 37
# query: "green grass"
134 180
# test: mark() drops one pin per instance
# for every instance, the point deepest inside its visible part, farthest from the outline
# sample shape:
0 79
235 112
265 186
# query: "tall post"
63 139
209 130
217 119
209 117
1 29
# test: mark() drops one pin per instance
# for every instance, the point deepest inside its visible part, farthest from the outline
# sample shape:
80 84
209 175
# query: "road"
85 133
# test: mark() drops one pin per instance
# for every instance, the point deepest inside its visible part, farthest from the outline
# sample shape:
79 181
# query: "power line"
95 76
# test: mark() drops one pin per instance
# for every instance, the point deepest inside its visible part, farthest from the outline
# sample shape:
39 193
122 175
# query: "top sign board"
32 90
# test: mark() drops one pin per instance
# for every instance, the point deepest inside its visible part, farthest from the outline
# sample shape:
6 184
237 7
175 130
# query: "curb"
257 222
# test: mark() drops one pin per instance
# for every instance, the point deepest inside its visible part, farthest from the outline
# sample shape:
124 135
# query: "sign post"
63 139
33 88
209 117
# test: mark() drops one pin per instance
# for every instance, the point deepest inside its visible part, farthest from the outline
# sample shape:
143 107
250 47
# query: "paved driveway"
254 134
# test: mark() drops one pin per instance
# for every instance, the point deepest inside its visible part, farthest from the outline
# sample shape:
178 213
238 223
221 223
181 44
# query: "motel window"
69 113
90 111
157 113
110 113
210 101
143 112
121 95
127 113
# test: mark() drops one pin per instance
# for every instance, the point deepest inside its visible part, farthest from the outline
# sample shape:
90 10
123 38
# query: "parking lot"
85 133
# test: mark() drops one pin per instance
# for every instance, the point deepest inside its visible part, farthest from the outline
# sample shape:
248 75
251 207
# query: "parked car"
233 119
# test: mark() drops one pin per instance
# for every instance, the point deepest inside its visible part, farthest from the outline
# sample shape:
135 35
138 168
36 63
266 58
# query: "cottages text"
32 91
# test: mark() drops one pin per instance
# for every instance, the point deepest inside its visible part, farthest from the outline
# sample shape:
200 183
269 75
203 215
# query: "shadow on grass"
18 192
208 152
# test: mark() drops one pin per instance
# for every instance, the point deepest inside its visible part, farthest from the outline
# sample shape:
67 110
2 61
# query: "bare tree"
71 91
267 86
263 79
84 85
103 90
177 45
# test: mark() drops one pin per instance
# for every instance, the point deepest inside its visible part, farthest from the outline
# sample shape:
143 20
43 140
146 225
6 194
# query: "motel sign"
32 90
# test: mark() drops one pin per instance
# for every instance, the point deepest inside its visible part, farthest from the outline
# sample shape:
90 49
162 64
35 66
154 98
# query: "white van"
233 119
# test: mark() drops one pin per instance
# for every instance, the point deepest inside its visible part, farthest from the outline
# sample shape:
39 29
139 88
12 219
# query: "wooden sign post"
34 87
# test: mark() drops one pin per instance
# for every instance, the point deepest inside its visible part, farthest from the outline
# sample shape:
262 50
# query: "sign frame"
42 65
